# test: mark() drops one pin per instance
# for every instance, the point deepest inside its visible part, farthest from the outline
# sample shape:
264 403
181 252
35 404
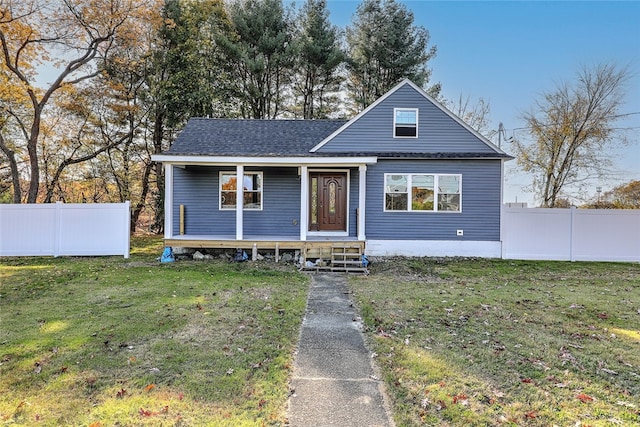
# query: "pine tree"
385 47
259 55
319 58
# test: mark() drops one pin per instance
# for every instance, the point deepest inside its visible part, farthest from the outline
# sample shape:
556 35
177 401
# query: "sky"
510 52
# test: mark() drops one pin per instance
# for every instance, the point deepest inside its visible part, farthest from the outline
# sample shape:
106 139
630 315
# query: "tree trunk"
32 148
15 174
137 210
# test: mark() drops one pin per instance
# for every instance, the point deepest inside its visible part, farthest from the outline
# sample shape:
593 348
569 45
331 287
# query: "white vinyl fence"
571 234
61 229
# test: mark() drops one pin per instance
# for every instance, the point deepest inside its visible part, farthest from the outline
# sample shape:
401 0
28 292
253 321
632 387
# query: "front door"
328 201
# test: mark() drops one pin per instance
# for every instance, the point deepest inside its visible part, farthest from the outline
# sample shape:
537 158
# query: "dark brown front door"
328 201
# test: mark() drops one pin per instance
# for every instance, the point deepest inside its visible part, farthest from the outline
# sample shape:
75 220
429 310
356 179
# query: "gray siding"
280 215
197 187
480 216
353 203
437 131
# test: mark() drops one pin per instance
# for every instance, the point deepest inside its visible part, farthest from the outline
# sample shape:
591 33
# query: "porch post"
304 202
239 200
362 197
168 201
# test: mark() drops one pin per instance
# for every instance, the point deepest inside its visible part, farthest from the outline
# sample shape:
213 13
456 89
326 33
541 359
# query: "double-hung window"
423 192
405 122
251 190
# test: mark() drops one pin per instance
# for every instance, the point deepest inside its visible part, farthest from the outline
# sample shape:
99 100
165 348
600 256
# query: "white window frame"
232 208
396 125
408 192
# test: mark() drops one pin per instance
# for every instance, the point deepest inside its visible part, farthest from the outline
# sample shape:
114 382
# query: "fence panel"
606 235
571 234
64 229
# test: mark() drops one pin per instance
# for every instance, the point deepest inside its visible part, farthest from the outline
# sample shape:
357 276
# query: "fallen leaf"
460 398
95 424
145 413
603 315
584 398
383 334
121 393
527 380
530 414
149 387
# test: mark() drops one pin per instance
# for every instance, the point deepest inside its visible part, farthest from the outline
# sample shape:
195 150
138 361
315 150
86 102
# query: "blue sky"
509 52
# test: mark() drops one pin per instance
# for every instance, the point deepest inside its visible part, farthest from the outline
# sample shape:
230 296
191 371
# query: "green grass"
108 341
499 342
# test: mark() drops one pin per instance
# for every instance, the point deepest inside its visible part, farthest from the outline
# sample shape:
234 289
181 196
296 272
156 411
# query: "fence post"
57 232
127 228
572 212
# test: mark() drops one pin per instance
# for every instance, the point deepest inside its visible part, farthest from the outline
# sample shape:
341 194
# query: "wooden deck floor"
318 247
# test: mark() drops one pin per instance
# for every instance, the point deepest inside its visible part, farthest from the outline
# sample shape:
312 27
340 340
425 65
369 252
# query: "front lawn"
499 342
108 341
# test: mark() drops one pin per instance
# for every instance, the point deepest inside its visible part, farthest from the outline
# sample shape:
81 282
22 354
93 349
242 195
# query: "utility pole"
501 132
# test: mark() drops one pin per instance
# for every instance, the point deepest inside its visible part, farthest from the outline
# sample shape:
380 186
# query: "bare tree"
572 129
475 115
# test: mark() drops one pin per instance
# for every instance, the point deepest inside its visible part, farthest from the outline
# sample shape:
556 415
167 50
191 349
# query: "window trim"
233 173
436 192
396 125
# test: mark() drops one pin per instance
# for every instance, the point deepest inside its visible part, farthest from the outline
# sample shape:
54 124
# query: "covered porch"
297 200
286 209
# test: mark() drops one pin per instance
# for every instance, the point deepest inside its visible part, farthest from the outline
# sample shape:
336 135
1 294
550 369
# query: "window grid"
422 192
251 190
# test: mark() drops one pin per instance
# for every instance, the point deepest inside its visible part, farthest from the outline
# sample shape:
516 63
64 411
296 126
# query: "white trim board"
264 161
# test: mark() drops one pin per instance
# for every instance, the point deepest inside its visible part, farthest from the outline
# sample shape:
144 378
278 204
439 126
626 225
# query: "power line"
501 128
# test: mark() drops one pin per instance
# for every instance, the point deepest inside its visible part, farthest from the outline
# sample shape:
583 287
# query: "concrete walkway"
334 382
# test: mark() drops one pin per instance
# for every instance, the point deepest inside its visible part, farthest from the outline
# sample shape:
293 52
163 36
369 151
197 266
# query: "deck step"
345 257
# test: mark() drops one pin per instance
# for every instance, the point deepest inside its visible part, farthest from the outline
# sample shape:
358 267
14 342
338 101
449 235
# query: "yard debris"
167 255
566 356
605 370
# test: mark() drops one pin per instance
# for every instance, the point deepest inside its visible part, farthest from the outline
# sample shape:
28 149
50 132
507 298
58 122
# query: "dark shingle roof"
238 137
277 138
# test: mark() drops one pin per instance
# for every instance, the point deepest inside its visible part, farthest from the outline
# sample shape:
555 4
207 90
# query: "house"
403 177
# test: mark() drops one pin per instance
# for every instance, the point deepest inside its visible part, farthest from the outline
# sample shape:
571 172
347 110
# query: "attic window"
405 122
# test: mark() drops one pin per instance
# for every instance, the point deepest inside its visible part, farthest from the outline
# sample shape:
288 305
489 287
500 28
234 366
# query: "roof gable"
439 130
